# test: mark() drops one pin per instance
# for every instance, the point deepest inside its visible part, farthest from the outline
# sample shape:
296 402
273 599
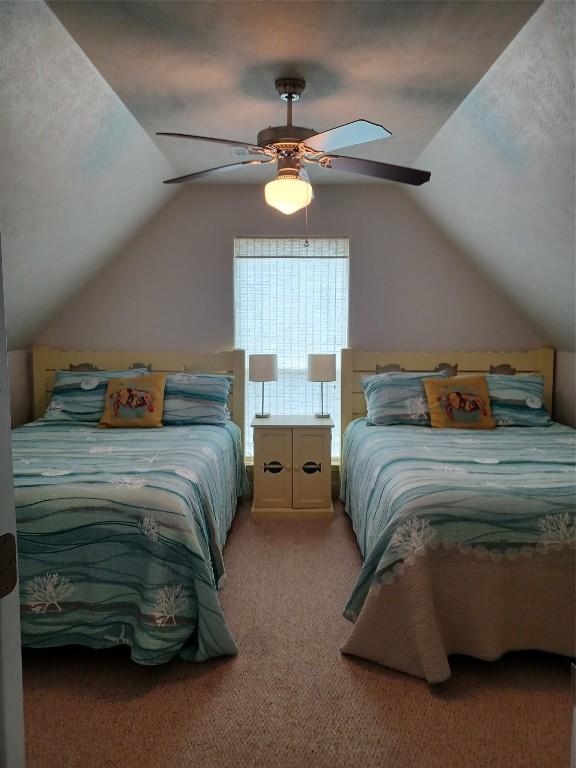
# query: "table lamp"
263 368
322 368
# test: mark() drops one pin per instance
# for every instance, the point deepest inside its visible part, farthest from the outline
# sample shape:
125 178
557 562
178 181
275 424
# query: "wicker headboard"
357 363
46 360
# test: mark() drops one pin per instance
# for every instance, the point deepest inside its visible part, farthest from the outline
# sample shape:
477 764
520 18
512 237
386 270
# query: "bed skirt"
448 601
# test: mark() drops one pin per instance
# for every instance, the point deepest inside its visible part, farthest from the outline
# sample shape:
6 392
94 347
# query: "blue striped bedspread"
406 488
120 536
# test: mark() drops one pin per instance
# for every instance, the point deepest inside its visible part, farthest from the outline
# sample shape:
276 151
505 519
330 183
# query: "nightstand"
292 468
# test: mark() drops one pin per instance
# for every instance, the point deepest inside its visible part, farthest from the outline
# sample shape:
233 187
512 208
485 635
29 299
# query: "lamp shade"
321 367
263 367
287 194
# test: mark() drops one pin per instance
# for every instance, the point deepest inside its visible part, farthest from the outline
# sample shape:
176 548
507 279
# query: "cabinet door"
273 467
312 470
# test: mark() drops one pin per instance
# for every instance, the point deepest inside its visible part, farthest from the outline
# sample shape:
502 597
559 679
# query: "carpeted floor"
290 699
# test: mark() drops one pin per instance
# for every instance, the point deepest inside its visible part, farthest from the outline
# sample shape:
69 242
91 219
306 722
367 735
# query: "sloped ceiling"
78 173
503 173
81 96
209 67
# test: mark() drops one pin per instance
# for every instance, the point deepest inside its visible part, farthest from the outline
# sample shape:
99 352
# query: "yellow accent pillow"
461 402
134 402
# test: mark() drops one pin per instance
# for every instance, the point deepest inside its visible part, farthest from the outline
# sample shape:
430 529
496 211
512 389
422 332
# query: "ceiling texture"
85 85
209 68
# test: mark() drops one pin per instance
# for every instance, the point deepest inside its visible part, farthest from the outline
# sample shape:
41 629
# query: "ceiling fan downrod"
289 89
288 136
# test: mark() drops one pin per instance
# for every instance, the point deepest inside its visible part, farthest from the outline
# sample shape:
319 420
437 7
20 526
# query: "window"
292 300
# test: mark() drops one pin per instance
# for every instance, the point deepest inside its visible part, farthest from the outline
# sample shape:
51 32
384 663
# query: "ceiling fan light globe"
288 195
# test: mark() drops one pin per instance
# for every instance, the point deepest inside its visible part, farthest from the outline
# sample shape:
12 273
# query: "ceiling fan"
292 148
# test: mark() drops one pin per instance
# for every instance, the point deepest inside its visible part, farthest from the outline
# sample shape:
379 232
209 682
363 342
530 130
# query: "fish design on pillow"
463 406
133 399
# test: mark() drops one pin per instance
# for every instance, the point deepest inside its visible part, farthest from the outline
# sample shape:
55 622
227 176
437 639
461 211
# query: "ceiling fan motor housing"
284 134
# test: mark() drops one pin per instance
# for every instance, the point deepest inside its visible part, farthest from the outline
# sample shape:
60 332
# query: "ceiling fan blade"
214 171
228 142
379 170
357 132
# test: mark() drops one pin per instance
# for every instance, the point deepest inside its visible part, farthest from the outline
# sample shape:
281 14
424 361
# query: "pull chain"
306 243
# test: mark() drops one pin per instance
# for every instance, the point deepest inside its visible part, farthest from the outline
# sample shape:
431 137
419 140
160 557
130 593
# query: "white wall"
172 286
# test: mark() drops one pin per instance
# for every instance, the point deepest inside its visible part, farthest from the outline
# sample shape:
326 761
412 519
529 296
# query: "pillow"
196 398
79 396
134 402
462 402
398 398
518 401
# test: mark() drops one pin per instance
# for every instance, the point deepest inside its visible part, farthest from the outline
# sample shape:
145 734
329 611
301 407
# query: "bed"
467 537
121 531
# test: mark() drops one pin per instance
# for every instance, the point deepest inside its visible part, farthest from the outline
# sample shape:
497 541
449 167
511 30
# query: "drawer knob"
310 467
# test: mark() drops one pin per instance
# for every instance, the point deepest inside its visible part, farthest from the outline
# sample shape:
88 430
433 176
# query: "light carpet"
290 699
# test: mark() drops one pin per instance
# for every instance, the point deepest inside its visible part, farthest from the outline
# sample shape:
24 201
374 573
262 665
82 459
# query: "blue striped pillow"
518 401
80 396
196 398
398 398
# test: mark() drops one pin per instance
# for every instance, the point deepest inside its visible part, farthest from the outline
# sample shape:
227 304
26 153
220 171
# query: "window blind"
292 300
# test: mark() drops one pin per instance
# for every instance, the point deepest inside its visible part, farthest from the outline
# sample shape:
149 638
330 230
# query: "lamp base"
262 415
322 415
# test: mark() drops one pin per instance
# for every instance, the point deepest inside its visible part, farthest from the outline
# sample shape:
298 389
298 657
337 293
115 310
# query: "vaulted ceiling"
85 85
503 169
75 168
209 67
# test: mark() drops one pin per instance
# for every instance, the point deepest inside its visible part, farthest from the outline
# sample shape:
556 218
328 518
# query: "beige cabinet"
292 467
